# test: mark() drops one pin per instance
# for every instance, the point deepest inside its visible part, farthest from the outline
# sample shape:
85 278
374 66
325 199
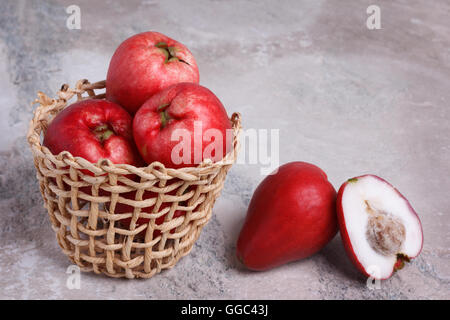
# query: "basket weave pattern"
81 206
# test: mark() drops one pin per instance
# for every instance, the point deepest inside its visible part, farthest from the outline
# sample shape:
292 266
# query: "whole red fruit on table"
175 127
290 217
93 129
145 64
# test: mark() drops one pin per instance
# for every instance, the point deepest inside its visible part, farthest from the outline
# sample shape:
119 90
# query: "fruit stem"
103 132
106 134
169 52
165 117
161 44
401 259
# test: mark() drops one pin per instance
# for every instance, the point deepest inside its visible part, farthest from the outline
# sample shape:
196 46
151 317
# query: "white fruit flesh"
380 224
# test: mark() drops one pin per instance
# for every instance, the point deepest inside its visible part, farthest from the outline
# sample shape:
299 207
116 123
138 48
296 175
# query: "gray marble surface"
348 99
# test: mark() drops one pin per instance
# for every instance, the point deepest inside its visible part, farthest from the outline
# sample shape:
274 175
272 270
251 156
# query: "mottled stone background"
346 98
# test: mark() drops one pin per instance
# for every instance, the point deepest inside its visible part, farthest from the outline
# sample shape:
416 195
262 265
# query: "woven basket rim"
48 106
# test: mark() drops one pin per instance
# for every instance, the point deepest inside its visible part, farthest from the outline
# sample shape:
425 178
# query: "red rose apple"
122 208
143 65
93 129
291 216
181 126
379 228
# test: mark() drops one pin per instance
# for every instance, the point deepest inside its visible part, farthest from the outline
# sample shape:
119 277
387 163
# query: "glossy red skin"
73 128
138 69
290 217
188 103
343 229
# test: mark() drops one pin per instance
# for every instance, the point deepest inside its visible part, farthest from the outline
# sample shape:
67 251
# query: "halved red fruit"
379 228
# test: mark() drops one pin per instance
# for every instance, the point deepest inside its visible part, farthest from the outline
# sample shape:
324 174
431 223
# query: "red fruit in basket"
181 126
122 208
93 129
291 216
379 228
143 65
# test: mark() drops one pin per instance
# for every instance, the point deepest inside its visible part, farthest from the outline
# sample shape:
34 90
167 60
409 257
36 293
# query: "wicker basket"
87 229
